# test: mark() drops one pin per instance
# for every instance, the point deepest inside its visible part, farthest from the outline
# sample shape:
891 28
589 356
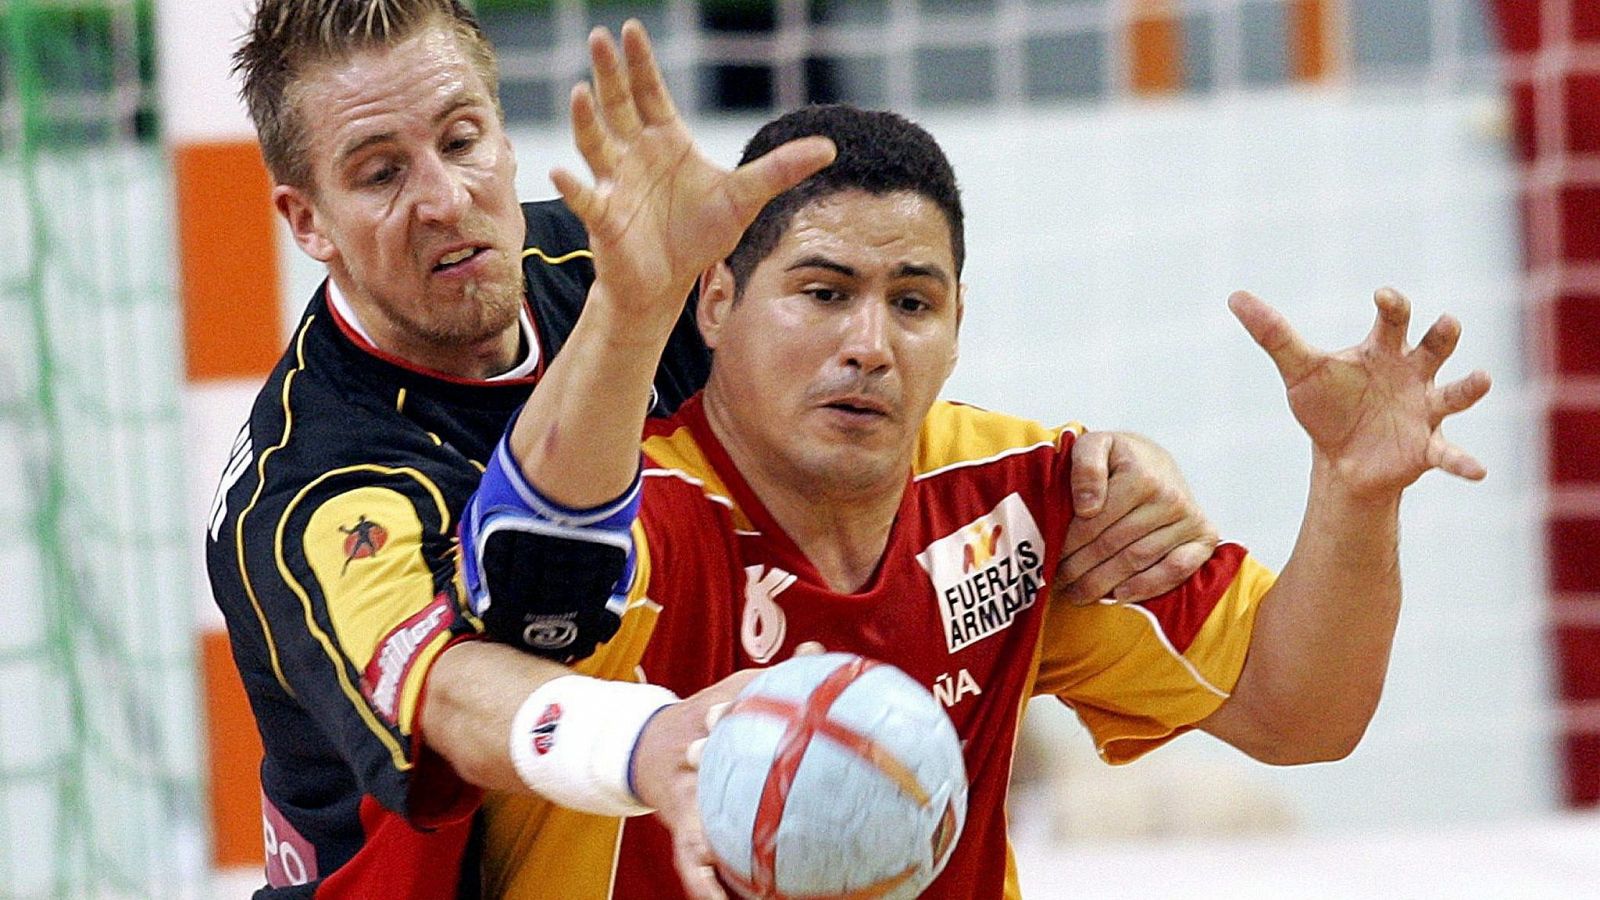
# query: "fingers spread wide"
1460 395
651 98
1456 461
612 86
1437 344
589 135
753 184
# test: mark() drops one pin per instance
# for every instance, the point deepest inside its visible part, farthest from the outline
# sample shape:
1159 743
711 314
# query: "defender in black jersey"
332 545
333 557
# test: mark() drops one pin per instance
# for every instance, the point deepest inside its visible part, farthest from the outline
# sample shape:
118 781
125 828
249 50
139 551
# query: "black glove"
552 596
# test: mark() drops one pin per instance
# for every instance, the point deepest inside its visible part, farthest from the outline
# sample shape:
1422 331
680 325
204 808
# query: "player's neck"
477 360
844 540
842 528
473 359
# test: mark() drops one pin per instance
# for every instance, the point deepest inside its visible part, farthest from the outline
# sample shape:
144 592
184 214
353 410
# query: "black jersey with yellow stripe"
332 553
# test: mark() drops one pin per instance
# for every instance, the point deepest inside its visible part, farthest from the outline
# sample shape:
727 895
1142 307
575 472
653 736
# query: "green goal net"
99 776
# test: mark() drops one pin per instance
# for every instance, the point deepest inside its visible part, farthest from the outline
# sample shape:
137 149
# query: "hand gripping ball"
832 776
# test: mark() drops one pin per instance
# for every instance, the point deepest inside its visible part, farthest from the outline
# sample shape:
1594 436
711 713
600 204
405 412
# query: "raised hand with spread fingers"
1372 411
658 213
1320 647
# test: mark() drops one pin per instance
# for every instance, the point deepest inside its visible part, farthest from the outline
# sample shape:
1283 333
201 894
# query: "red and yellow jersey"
958 602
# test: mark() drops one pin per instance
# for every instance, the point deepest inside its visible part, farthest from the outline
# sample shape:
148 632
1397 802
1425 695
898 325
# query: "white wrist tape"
572 741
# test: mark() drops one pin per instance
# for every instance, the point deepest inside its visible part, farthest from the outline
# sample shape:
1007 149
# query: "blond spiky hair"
287 37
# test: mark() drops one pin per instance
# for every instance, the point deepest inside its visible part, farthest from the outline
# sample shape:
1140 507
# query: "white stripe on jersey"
1155 625
685 476
987 459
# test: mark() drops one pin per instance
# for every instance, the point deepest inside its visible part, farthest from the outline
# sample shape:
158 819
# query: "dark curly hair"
879 152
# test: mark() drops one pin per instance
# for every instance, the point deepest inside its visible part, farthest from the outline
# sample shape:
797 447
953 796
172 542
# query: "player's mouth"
861 407
460 260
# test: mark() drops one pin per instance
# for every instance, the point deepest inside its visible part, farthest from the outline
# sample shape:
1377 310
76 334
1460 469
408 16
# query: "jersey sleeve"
355 579
1141 674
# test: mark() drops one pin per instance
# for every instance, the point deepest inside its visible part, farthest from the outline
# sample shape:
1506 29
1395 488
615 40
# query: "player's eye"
380 175
912 303
824 294
461 138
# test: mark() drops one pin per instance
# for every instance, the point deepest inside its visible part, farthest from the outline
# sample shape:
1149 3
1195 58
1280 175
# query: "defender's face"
827 364
414 205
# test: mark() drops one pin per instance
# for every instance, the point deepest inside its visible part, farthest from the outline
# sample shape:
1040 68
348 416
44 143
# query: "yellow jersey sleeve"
1140 674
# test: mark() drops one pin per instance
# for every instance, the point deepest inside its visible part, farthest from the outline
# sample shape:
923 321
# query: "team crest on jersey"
362 540
544 729
986 572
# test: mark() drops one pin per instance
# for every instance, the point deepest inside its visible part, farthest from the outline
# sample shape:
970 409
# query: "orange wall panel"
1310 56
228 258
234 758
1155 48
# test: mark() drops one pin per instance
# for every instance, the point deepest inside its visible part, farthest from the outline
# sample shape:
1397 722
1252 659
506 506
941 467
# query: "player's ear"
300 212
717 293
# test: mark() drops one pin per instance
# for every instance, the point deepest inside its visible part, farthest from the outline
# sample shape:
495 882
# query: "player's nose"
865 342
441 195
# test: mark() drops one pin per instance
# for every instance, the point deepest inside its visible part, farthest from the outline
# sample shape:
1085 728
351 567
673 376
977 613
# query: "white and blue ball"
806 798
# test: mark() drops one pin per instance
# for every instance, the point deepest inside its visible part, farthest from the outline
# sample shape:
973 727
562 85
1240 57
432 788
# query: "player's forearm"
577 440
474 690
507 720
1320 649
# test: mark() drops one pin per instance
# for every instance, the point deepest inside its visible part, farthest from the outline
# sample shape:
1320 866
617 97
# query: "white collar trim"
530 339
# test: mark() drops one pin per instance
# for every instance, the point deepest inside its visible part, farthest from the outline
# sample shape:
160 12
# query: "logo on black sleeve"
362 540
551 632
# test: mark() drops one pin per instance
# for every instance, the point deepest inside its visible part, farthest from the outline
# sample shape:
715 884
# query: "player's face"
843 336
414 205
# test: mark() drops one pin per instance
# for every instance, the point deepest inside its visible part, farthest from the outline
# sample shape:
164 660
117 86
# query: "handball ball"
832 775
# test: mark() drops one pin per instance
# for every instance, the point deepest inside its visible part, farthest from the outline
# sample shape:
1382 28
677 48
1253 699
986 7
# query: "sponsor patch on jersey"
986 572
544 729
398 650
362 540
291 859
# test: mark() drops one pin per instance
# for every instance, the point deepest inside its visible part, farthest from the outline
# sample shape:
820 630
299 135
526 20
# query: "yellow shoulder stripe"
557 260
677 454
364 548
261 481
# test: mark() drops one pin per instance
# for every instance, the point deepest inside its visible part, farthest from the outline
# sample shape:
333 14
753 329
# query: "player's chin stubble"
490 307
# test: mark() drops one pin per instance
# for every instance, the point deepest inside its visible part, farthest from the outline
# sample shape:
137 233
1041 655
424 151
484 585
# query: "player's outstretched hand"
665 774
659 212
1373 411
1136 530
